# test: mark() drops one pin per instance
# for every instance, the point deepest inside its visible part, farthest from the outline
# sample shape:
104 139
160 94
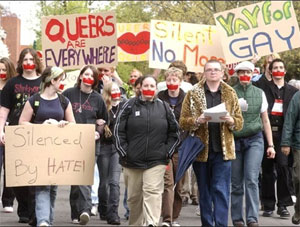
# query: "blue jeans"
245 171
109 189
95 186
44 204
80 200
213 179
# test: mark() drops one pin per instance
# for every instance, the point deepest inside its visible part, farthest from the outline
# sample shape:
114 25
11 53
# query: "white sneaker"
8 209
75 221
175 223
198 211
165 224
44 224
94 210
84 218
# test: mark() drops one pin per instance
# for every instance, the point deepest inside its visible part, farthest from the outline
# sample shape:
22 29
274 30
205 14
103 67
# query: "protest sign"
194 44
42 154
133 41
71 41
262 28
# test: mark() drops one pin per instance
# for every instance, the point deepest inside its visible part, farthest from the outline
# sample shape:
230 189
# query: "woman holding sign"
88 107
47 107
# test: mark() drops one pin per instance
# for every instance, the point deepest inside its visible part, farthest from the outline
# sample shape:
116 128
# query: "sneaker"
283 212
84 218
75 221
44 224
94 210
175 223
165 224
198 211
8 209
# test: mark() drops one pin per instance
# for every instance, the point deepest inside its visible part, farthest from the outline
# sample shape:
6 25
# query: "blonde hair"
174 71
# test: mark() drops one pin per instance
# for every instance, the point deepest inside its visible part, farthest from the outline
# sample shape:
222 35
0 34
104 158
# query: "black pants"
8 195
80 200
26 201
276 169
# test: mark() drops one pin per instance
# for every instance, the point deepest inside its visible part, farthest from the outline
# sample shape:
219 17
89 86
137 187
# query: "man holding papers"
249 148
213 165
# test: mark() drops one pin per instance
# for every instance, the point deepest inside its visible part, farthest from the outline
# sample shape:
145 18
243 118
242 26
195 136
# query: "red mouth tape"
134 44
89 81
116 95
2 75
172 87
148 92
245 78
61 87
27 66
132 81
278 73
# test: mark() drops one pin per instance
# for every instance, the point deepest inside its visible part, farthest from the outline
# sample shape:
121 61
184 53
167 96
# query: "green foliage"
200 12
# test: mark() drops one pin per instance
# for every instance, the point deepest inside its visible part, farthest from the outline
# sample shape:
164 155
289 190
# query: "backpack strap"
63 101
36 105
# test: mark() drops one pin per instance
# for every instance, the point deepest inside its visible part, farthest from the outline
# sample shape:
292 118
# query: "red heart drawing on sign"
134 44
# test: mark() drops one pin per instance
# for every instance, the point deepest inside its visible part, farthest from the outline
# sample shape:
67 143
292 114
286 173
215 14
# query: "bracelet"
271 146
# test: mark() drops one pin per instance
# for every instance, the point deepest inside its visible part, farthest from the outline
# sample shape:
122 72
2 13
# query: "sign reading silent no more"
41 154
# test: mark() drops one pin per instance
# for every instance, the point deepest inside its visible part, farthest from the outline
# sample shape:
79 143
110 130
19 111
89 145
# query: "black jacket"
146 133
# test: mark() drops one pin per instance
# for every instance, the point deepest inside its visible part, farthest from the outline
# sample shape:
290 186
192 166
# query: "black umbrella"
188 152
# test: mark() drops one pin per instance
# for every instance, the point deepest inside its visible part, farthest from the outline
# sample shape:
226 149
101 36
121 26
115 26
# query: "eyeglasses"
216 70
242 72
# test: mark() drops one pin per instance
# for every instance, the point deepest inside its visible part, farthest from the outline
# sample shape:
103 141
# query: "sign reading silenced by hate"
194 44
41 154
71 41
262 28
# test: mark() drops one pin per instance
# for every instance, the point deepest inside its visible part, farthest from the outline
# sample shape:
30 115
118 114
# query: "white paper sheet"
243 104
216 112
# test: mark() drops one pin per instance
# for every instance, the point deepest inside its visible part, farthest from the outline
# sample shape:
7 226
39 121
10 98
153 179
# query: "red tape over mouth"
27 66
278 73
172 87
245 78
116 95
61 87
148 92
2 75
89 81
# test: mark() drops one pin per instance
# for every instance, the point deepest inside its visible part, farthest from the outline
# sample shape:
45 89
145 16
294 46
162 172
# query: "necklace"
80 107
115 113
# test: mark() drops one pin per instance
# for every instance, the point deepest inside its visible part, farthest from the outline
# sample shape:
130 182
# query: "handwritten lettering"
22 170
55 167
28 138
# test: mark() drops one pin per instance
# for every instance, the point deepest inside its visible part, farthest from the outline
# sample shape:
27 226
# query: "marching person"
88 107
278 94
7 71
146 135
14 95
213 165
108 161
290 140
171 201
249 148
51 110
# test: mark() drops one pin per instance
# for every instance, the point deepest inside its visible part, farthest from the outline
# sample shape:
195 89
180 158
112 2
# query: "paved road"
187 218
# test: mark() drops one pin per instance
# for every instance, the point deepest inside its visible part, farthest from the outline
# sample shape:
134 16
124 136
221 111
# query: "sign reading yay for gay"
261 29
71 41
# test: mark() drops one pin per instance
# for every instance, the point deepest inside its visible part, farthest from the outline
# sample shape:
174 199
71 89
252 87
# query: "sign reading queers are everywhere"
194 44
41 154
71 41
133 41
263 28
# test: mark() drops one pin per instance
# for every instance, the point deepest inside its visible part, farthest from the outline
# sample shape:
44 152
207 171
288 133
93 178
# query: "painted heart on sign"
134 44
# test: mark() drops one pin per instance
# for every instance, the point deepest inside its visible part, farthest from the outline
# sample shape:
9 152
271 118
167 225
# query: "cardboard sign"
194 44
71 79
133 41
71 41
262 28
41 154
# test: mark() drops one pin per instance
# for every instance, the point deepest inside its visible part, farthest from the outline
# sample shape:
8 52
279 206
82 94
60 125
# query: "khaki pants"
145 188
